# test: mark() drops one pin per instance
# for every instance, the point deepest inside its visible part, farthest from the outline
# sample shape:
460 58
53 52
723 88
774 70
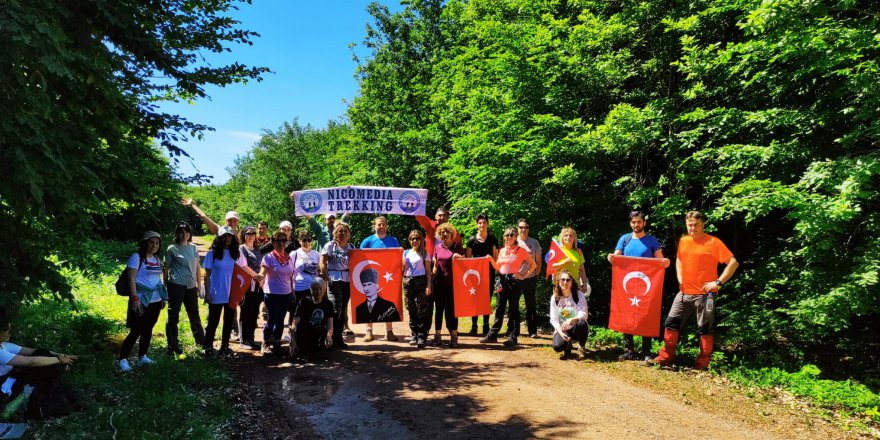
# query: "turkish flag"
471 287
241 282
553 255
636 295
376 284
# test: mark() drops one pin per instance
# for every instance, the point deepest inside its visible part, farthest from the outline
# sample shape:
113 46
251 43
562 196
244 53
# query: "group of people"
310 285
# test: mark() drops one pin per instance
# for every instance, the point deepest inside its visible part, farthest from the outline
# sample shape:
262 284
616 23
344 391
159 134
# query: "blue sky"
306 44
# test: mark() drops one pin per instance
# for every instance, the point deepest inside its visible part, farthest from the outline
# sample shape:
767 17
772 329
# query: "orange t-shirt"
699 261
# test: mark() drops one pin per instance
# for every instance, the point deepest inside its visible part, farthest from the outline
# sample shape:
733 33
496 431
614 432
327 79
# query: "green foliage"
121 405
80 123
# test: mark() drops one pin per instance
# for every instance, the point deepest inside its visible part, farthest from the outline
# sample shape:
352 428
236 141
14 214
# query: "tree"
81 84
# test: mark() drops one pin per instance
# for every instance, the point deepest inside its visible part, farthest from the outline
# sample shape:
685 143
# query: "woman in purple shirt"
278 270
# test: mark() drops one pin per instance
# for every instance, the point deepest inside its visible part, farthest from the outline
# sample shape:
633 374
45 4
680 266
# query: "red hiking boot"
667 353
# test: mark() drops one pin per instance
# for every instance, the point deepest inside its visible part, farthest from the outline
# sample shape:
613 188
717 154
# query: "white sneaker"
123 366
145 360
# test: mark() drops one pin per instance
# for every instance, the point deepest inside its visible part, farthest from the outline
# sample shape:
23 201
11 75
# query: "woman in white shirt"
417 288
568 315
220 263
305 269
147 298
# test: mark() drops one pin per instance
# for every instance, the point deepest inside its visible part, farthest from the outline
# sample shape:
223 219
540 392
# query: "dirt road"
391 390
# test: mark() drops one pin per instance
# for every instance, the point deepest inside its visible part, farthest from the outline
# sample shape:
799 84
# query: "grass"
179 397
848 398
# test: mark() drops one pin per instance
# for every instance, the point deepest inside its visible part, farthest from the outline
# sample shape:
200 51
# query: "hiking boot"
390 336
145 360
369 336
347 332
438 340
123 366
661 362
473 331
510 342
453 340
489 338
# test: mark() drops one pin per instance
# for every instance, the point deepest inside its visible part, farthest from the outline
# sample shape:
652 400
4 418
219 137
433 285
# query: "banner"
471 287
376 284
361 199
553 255
241 282
636 295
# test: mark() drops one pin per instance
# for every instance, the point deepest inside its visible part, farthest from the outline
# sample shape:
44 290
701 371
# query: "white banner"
360 200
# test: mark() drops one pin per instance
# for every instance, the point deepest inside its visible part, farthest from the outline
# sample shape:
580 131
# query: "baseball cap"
224 230
285 223
231 214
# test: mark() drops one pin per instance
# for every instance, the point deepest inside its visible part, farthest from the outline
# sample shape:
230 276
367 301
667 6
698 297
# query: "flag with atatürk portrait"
471 287
636 295
376 284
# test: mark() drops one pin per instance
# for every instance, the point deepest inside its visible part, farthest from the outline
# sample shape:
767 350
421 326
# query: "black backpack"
122 286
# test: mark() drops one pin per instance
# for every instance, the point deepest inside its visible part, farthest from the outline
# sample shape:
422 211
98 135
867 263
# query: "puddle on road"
309 390
342 410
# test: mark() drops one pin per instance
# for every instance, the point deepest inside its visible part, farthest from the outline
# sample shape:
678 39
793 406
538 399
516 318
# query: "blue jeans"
277 306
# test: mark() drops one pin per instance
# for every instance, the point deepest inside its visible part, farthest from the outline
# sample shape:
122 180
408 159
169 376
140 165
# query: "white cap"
231 214
224 230
284 224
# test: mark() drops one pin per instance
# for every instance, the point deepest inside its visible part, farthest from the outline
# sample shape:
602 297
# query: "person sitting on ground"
35 376
568 315
313 321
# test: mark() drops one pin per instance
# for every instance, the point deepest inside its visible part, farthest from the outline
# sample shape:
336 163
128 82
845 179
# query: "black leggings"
445 306
579 333
214 312
250 308
141 328
511 291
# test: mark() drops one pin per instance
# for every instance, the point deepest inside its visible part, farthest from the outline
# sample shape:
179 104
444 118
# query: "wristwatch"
718 281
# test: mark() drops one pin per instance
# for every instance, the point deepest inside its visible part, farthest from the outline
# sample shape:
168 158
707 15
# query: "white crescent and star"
464 278
356 274
641 276
240 280
551 255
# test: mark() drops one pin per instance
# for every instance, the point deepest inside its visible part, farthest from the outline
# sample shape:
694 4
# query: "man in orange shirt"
696 266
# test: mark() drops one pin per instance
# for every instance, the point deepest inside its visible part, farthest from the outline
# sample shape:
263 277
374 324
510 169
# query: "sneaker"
629 356
473 331
145 360
648 358
266 350
245 346
226 351
347 332
488 338
390 336
254 345
369 336
123 366
413 341
510 342
533 336
581 353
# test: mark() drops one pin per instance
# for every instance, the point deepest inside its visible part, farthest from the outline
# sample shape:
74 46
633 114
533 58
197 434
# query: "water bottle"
710 301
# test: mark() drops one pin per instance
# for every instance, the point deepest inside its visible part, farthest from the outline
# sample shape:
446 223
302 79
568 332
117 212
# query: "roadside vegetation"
178 398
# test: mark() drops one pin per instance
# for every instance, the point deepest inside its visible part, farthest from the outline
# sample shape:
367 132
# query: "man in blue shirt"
638 244
379 240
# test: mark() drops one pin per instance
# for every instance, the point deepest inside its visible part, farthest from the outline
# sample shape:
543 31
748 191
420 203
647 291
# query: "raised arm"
213 227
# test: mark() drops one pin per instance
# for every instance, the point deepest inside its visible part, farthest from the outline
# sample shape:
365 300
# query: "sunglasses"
510 235
306 240
415 239
250 233
565 280
522 227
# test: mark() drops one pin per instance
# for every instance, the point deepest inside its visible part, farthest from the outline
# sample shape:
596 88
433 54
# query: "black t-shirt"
479 249
313 317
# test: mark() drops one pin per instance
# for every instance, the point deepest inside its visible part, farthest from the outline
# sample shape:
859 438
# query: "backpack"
122 287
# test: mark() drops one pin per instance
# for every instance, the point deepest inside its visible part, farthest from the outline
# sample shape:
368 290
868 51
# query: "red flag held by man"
241 282
554 255
471 287
636 295
376 284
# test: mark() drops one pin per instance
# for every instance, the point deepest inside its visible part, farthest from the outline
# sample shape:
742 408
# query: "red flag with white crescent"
241 282
376 284
554 255
636 295
471 287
